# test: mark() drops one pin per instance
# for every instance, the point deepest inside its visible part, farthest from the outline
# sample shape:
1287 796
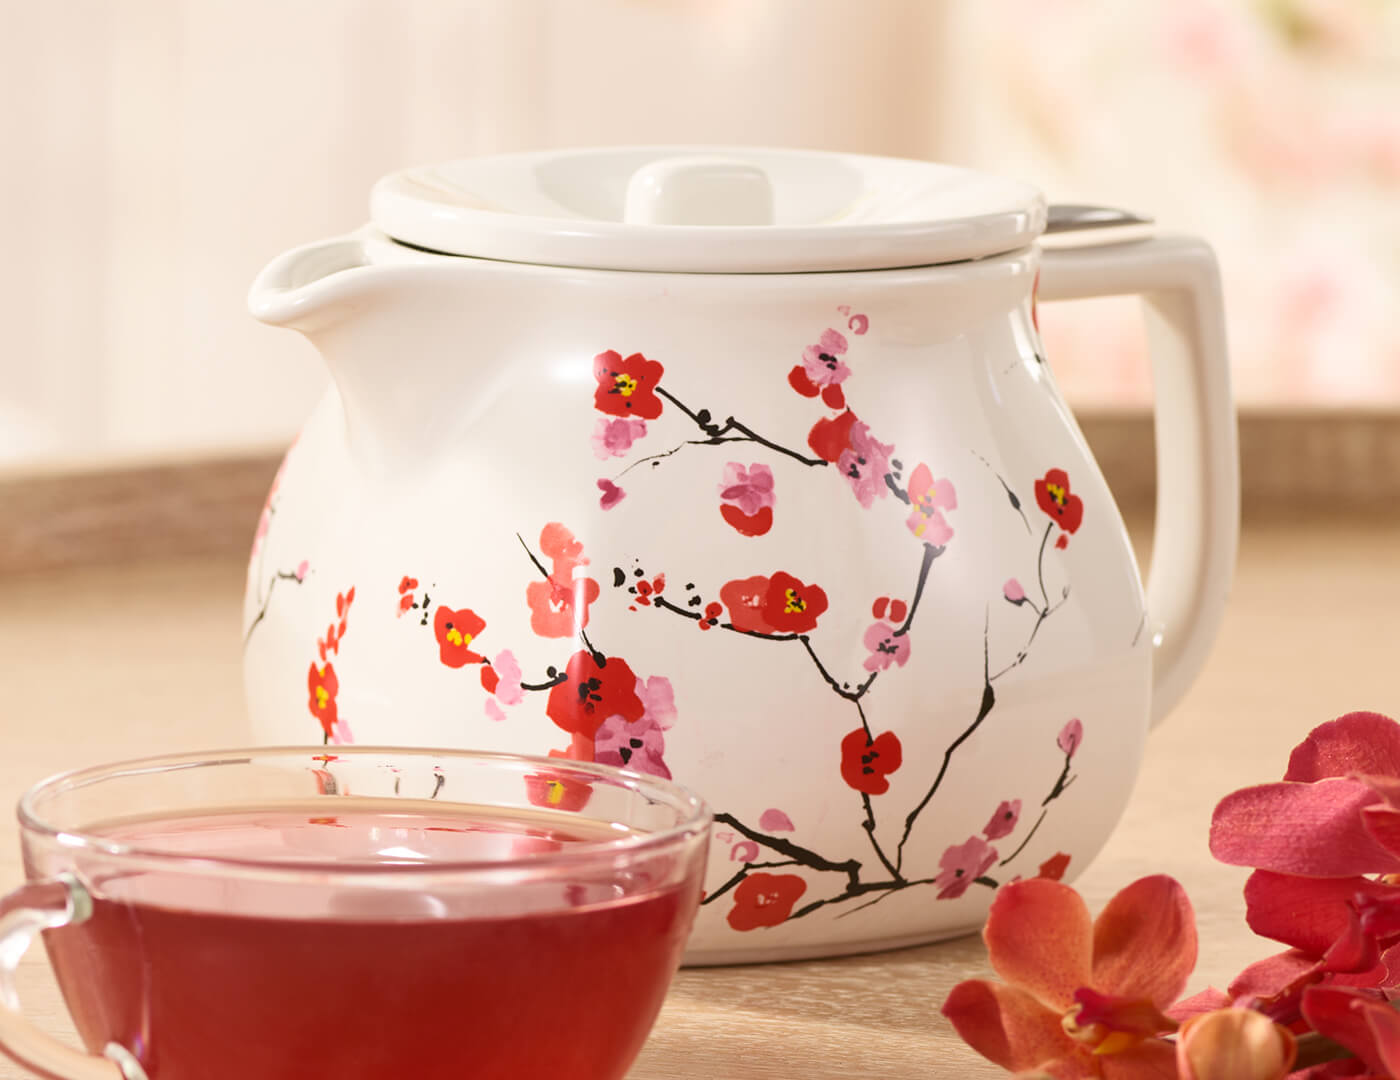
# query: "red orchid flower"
1083 997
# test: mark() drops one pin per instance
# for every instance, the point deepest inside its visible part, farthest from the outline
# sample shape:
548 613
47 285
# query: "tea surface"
216 979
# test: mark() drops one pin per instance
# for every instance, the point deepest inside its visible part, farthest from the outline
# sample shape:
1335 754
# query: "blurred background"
157 153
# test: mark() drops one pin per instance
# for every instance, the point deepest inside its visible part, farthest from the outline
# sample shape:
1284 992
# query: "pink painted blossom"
821 362
341 734
859 324
750 489
1071 735
507 667
961 865
1013 591
1003 820
928 498
614 436
301 570
658 699
637 745
612 494
886 647
744 851
865 465
774 820
494 711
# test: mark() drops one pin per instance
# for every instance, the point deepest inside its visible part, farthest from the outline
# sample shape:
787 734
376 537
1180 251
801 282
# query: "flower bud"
1234 1044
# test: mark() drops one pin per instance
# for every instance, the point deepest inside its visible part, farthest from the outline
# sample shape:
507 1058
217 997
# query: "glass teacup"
292 913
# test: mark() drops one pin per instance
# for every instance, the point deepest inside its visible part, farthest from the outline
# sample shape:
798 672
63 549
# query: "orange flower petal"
1039 937
1007 1026
1154 1059
1145 942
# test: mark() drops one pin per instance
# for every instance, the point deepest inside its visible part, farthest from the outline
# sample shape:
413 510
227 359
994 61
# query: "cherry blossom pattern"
558 791
961 865
613 436
822 370
774 820
627 387
864 464
322 686
330 642
612 494
501 679
830 437
455 631
928 498
297 574
1052 495
592 689
1053 868
747 498
765 900
639 745
774 604
406 596
559 604
887 647
867 762
1003 821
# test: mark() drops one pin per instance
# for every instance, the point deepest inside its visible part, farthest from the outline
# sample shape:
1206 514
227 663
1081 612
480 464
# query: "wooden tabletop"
101 665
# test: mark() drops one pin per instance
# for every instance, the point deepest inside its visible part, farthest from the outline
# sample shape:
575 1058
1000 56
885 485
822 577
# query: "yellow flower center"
554 793
624 384
322 697
1057 493
456 637
795 605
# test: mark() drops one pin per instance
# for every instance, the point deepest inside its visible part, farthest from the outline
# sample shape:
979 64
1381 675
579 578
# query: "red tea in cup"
378 936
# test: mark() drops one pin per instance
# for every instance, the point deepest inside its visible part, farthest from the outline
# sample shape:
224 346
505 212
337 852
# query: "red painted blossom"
776 604
557 791
591 692
559 604
455 631
1054 867
791 607
1052 495
764 900
627 387
831 437
322 687
867 763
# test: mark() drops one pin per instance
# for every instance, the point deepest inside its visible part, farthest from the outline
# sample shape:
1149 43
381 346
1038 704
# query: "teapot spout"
310 287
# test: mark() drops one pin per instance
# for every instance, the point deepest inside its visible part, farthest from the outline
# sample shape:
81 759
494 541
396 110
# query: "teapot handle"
1198 479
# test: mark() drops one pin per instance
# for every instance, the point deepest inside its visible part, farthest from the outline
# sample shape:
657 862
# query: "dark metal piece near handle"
1066 217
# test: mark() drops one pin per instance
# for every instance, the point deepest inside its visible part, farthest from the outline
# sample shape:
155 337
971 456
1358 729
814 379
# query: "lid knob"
699 190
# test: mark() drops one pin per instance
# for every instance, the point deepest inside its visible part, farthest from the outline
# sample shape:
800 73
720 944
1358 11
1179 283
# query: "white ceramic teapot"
745 468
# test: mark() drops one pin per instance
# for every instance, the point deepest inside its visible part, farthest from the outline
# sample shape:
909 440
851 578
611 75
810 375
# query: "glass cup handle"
46 905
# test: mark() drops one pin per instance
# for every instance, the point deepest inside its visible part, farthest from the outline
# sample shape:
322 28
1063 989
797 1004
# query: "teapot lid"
708 210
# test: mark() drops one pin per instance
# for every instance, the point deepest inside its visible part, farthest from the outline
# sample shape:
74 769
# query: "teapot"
746 467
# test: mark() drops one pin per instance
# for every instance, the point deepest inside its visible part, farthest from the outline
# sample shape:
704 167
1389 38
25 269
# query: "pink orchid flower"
1365 1024
1315 837
1083 997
